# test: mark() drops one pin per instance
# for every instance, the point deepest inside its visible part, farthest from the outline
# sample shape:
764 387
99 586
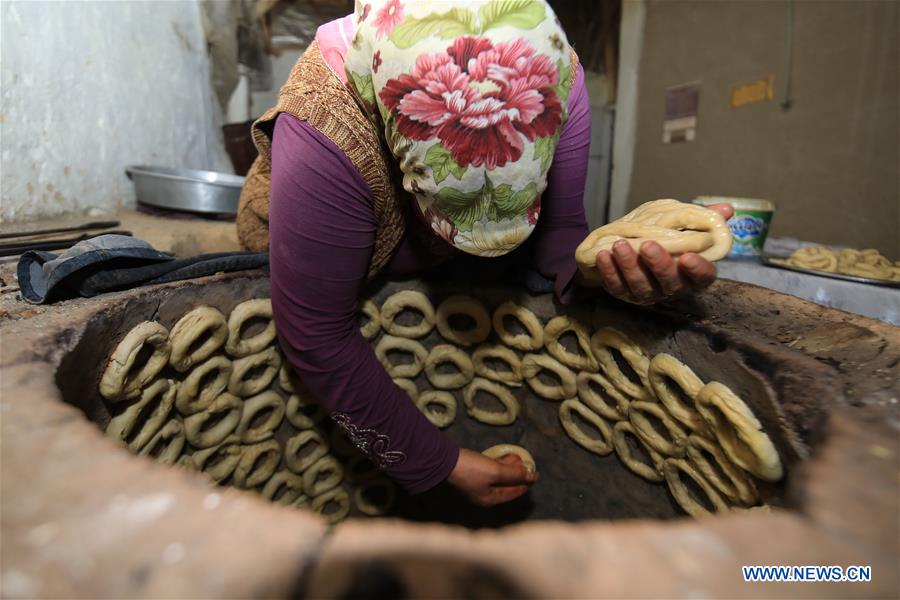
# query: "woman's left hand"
653 275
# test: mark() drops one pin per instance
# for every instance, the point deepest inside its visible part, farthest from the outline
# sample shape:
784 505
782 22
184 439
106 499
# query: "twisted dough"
860 263
463 305
601 446
122 427
294 457
501 450
489 417
674 446
219 461
532 364
555 328
677 226
191 398
651 471
167 444
283 488
664 370
238 346
240 384
257 463
118 382
201 435
314 484
251 433
721 472
443 353
673 468
395 304
607 339
527 342
189 329
302 411
512 377
429 398
617 410
336 495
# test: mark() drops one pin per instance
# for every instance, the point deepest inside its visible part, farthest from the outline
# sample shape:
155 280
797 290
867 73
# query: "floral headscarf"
471 97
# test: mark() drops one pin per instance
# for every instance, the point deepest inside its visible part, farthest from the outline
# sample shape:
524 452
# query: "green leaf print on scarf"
454 23
562 88
522 14
463 209
506 205
442 164
363 86
543 150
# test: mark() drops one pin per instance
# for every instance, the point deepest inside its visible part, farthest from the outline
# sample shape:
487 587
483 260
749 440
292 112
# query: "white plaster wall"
89 87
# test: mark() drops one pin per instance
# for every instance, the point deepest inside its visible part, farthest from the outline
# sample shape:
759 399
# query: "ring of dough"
408 386
556 327
300 418
527 342
290 486
443 353
736 485
395 304
118 382
408 370
677 226
608 338
240 385
189 329
817 258
360 469
501 450
463 305
513 377
287 378
161 396
268 400
650 472
292 450
665 368
532 364
365 505
199 435
373 326
258 462
600 403
219 461
313 482
429 398
238 346
601 446
673 468
191 398
739 432
489 417
339 497
652 438
167 444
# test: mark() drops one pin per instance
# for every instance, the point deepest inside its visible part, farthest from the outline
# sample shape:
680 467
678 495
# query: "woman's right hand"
487 481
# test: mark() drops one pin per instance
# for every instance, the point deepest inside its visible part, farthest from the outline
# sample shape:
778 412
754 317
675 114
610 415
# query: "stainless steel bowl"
186 189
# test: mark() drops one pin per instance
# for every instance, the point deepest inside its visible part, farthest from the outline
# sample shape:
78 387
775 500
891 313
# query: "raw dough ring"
737 486
228 454
500 393
556 327
191 398
665 367
602 446
501 450
299 418
294 445
527 342
238 346
287 378
337 495
818 258
598 402
370 329
408 386
287 481
368 507
257 464
647 471
513 377
448 381
118 382
121 427
239 385
268 400
167 444
199 437
314 486
429 398
671 469
532 364
189 329
463 305
410 370
739 432
607 338
644 429
395 304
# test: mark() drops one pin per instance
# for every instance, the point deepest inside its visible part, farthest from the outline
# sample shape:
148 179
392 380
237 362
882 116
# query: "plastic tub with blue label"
749 226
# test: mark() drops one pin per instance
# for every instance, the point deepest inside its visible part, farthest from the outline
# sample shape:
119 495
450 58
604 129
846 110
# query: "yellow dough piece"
677 439
664 370
191 397
373 326
160 395
673 469
323 475
337 496
287 378
489 417
238 346
408 386
396 303
533 364
245 380
374 508
302 411
463 305
601 446
429 398
389 343
193 326
650 472
444 353
118 382
677 226
558 326
296 459
730 480
607 339
202 435
219 461
531 341
284 488
167 444
611 404
250 432
501 450
739 432
512 377
257 464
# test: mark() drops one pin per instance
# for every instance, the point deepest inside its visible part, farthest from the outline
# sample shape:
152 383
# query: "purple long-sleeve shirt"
322 233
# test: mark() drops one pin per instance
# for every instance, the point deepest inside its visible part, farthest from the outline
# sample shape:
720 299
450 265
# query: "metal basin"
188 190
